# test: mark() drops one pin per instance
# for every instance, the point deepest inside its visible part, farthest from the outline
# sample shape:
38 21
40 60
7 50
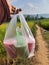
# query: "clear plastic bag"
19 41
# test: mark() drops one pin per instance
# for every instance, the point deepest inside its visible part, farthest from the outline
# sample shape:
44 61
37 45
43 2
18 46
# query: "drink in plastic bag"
10 48
30 47
30 44
21 51
21 46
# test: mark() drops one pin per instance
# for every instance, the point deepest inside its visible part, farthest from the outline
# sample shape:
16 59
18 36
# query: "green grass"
2 31
46 35
46 38
44 23
30 23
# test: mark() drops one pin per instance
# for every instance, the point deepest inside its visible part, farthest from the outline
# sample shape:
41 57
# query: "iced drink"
30 45
21 51
10 48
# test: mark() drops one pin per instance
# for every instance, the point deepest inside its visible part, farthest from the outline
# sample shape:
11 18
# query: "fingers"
13 7
13 10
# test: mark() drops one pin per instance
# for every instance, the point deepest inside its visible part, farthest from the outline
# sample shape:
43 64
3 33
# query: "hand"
12 9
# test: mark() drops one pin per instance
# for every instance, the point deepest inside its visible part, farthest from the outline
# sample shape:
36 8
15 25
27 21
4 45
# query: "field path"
41 55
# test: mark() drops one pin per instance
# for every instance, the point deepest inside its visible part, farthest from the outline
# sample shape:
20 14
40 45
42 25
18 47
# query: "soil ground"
41 54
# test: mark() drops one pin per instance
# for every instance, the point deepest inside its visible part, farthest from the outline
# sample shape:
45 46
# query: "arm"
12 8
